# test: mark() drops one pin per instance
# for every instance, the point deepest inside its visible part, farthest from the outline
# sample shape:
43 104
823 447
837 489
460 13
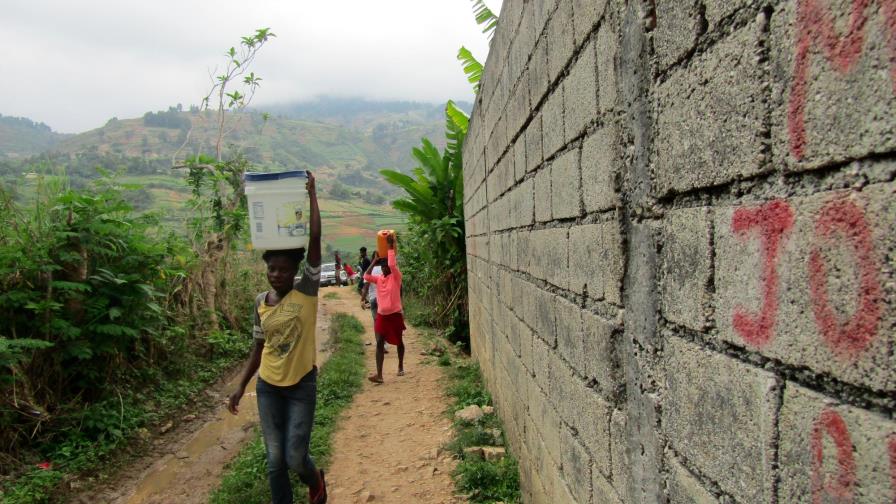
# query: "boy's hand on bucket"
312 190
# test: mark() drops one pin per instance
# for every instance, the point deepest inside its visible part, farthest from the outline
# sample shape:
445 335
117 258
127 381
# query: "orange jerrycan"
382 247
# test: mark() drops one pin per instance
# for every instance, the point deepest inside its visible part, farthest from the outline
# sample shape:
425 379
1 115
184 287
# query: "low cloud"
73 65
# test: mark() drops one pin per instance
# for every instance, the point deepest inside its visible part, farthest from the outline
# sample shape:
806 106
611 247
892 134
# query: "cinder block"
612 261
526 336
543 11
600 165
523 204
545 318
524 43
543 189
607 55
570 336
534 155
538 71
717 10
831 109
519 157
686 266
602 490
586 14
585 412
709 126
684 487
561 42
599 351
621 466
548 260
519 108
541 259
542 376
585 272
820 299
830 450
547 423
552 123
565 193
522 244
596 261
719 414
576 466
677 28
581 93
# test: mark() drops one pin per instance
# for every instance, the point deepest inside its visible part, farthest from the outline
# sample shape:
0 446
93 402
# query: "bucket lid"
265 177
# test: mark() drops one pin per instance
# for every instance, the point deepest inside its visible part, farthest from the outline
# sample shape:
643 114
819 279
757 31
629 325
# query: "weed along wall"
681 220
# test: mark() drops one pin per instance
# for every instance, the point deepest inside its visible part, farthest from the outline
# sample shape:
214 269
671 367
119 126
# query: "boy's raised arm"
313 256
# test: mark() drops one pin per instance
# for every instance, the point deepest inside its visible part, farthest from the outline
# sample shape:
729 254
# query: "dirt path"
387 445
186 464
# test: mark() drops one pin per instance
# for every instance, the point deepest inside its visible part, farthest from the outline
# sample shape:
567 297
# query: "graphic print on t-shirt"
283 328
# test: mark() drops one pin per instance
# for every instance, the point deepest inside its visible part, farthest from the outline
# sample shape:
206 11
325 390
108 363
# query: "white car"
328 274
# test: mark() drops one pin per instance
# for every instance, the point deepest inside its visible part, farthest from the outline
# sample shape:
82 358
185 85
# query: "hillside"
345 142
21 137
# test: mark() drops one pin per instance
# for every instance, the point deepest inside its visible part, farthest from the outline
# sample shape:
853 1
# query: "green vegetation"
98 342
340 379
113 320
435 243
484 481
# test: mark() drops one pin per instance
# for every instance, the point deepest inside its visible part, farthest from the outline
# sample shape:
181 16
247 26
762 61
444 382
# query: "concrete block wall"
681 235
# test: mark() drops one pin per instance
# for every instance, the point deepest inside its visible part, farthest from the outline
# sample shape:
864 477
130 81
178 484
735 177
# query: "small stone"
182 455
493 453
189 418
473 452
167 427
394 489
366 496
488 410
470 414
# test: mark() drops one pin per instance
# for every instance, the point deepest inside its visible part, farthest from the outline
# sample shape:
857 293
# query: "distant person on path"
389 324
285 357
349 274
365 264
338 261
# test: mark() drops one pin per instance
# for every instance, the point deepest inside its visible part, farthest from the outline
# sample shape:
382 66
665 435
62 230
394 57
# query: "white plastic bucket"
278 209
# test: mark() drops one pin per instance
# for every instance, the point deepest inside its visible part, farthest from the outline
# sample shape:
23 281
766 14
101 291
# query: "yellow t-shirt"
288 330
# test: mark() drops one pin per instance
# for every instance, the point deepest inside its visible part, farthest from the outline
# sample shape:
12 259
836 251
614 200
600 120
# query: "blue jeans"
287 414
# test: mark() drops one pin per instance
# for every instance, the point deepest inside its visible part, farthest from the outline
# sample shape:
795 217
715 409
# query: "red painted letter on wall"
816 27
831 424
843 219
771 220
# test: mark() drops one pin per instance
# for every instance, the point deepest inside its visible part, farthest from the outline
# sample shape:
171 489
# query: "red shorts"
390 327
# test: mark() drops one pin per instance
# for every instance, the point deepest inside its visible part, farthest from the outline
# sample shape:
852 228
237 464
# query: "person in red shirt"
349 273
389 325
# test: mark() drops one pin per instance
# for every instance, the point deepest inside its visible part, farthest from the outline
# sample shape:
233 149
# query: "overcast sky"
73 64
